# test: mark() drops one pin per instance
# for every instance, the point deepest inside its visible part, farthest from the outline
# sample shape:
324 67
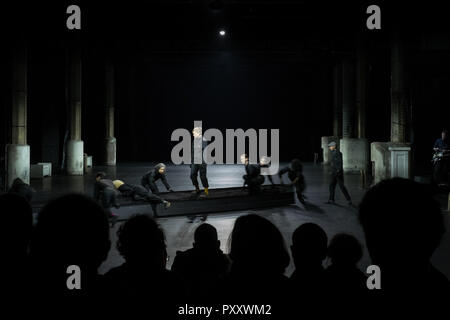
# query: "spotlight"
222 33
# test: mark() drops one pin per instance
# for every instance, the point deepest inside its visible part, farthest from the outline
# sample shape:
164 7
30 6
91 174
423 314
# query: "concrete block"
17 163
74 162
390 160
355 154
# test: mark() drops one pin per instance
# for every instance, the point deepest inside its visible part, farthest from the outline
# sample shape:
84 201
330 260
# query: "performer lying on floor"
148 181
138 193
105 195
295 174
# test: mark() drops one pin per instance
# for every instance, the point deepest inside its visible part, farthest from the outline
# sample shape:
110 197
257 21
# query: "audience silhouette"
72 230
343 275
203 267
143 278
17 221
403 225
309 249
259 259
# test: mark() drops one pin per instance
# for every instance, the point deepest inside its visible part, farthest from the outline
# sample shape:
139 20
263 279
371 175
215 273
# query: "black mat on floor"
220 200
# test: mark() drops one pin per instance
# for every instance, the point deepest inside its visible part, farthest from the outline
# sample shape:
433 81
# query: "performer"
196 168
337 174
264 162
22 189
137 193
295 174
441 159
148 181
253 178
105 195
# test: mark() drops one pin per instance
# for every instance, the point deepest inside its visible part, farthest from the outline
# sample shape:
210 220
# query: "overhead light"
222 33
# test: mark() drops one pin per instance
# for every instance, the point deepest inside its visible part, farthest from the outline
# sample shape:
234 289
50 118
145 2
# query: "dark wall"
224 90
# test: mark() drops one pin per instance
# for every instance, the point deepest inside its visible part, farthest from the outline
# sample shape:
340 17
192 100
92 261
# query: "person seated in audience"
259 258
309 249
403 226
21 188
143 280
343 275
204 266
17 222
70 241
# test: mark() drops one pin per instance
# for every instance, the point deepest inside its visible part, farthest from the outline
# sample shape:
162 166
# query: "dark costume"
148 181
137 193
105 194
337 175
440 165
295 174
195 168
253 178
22 189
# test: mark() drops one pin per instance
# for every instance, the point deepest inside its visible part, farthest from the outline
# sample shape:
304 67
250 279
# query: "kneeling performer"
148 181
295 174
253 178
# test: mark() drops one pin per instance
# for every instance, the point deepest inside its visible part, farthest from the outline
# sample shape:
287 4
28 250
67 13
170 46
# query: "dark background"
272 70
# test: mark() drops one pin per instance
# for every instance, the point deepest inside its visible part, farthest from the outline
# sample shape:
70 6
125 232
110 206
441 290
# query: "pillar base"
325 150
390 160
75 160
17 163
110 151
355 154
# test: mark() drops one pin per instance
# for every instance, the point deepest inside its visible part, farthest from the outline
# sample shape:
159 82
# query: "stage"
179 233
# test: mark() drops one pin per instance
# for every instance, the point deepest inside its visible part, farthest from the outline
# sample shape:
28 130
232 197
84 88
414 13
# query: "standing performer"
105 194
196 167
137 193
441 159
253 178
337 174
295 174
148 181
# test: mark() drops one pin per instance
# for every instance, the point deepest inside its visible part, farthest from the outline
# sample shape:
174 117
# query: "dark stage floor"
179 233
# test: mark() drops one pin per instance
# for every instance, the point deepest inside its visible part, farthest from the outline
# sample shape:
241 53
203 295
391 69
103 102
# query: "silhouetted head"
100 175
205 237
402 223
345 250
309 245
257 246
17 222
296 165
71 230
142 243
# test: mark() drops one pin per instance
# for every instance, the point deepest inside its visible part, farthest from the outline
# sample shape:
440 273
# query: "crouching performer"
105 194
253 178
295 174
148 181
139 193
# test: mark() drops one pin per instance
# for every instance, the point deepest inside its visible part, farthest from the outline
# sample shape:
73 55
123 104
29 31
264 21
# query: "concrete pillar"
337 100
361 89
393 159
110 140
18 152
337 114
75 146
399 93
348 98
